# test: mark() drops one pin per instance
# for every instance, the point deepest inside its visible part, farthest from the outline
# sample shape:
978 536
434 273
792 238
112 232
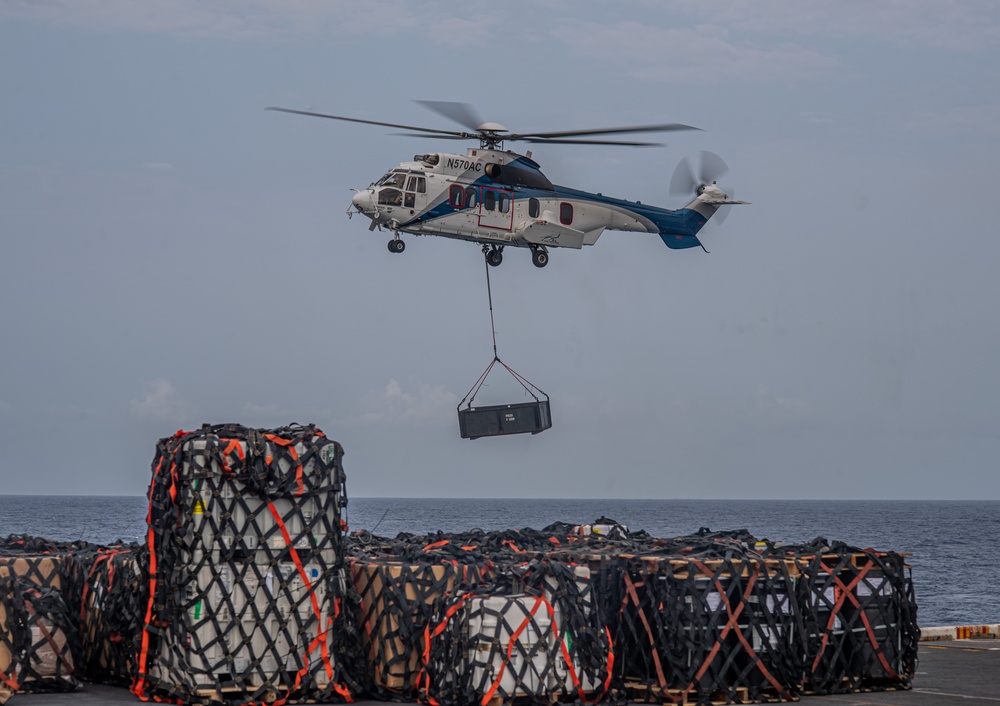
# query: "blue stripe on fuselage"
683 221
677 228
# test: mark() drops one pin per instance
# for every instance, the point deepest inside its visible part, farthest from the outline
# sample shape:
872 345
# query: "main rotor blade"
461 113
373 122
664 127
455 136
552 141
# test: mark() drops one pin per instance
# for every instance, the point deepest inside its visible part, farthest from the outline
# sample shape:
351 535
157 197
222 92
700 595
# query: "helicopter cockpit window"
390 197
456 196
489 200
392 179
503 203
471 197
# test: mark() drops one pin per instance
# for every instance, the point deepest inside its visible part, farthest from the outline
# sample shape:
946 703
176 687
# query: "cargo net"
397 602
705 630
39 640
856 617
712 617
246 577
113 604
533 634
11 633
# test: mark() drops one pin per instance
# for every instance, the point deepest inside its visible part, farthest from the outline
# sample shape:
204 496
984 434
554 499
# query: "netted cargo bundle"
114 600
246 576
11 635
857 617
47 662
534 634
396 603
702 630
47 587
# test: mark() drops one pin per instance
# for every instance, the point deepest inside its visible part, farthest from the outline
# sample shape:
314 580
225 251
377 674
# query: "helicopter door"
496 209
415 196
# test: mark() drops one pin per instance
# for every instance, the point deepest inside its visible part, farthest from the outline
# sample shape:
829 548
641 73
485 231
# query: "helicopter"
500 198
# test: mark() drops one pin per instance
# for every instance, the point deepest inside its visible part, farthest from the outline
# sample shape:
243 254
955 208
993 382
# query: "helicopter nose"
362 201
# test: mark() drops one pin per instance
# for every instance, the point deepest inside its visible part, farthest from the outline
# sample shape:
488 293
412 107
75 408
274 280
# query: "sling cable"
498 420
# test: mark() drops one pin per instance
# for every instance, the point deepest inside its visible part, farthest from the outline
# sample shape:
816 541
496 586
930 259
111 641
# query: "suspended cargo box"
498 420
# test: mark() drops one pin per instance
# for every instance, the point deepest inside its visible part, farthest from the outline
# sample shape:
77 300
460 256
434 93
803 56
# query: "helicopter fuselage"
501 198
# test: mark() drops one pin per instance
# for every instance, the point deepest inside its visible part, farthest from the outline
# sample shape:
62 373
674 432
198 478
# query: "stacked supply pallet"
700 630
857 617
113 603
246 580
9 638
714 617
396 601
42 618
536 634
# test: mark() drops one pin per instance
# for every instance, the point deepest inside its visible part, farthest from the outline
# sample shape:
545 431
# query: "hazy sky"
174 254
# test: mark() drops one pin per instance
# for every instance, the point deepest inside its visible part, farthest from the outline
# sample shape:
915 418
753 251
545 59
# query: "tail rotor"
686 182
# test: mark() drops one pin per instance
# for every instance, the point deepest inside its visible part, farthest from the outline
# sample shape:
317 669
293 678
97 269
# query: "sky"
172 254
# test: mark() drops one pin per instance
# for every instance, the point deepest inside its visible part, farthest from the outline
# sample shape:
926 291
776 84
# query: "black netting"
114 599
246 574
53 640
534 633
242 594
13 634
858 617
397 602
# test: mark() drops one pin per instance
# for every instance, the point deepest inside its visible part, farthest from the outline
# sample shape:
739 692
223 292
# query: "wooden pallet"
269 696
642 693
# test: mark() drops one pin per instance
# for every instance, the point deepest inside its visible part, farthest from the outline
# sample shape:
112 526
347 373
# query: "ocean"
954 545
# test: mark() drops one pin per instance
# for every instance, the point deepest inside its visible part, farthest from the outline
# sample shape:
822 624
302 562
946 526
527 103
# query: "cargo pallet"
647 694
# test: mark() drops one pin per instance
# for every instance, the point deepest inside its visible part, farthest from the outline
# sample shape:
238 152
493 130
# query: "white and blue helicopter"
499 198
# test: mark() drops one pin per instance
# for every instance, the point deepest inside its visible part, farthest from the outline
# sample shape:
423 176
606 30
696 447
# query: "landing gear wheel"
539 258
396 245
494 258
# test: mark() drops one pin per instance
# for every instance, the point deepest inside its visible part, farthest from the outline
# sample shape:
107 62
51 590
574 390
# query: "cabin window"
416 184
489 200
409 199
390 197
471 197
503 202
456 196
566 213
533 208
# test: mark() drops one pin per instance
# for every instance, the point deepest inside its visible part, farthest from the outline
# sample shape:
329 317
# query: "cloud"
5 409
160 403
421 403
158 166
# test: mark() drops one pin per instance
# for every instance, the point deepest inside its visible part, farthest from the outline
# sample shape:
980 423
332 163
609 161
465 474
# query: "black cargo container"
497 420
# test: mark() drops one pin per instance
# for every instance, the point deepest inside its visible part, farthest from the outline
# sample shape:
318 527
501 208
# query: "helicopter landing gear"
494 254
539 256
396 245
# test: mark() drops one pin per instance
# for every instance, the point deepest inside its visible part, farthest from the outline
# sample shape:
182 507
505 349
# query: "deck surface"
957 672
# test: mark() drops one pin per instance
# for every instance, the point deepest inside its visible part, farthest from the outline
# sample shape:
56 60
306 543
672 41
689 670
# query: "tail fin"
694 216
